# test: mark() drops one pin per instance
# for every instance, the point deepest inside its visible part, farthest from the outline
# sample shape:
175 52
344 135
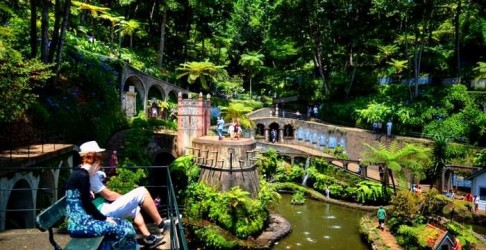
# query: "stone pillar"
193 120
280 135
131 102
266 134
345 165
364 171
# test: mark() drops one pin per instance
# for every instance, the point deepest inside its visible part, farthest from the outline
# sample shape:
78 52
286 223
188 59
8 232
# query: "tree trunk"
33 28
353 74
458 39
67 12
55 31
162 38
44 30
393 181
318 61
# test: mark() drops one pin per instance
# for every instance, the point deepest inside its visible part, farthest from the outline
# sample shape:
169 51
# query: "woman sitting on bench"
84 220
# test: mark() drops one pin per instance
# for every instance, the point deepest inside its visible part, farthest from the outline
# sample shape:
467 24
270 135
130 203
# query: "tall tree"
205 72
412 157
252 61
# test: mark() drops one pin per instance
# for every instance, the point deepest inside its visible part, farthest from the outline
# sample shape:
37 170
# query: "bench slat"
47 218
84 243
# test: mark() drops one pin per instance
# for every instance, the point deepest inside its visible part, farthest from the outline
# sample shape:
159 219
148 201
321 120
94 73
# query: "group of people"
474 201
377 129
415 188
234 129
106 215
312 111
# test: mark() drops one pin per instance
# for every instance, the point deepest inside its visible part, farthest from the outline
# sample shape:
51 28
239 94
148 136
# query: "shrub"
298 198
405 207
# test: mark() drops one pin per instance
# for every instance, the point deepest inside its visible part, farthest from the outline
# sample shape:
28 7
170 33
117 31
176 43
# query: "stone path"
389 239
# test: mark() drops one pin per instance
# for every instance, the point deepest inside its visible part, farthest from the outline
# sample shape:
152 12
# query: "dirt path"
389 240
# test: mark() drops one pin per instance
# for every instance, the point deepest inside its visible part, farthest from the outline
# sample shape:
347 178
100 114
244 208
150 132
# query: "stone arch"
260 130
300 160
20 206
46 192
156 91
134 80
276 126
172 96
288 131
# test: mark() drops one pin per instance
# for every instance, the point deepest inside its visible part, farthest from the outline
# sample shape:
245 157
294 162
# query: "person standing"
83 218
476 204
113 163
220 124
273 135
469 199
361 168
375 130
389 128
381 171
381 217
237 129
327 191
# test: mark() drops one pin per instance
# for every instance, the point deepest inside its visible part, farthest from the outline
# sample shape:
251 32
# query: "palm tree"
204 71
251 61
411 156
114 20
440 158
130 28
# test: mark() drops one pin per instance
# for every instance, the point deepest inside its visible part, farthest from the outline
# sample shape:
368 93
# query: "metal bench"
49 217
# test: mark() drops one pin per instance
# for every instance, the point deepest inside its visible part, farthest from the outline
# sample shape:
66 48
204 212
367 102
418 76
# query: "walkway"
372 171
33 239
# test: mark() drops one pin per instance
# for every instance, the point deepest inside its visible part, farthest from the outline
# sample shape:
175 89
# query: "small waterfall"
306 175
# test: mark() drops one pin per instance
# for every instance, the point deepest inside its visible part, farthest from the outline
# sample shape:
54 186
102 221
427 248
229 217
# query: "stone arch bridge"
297 139
137 85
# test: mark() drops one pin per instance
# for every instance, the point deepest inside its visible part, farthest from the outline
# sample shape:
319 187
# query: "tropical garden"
420 64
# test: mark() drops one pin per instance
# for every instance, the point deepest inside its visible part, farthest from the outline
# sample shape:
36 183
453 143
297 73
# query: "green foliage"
405 208
464 233
338 152
212 238
480 159
298 198
126 179
322 181
287 173
375 112
368 192
433 202
205 71
458 209
480 70
268 195
267 164
233 211
19 78
369 232
413 236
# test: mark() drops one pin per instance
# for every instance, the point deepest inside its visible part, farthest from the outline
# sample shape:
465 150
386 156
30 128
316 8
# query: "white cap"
91 146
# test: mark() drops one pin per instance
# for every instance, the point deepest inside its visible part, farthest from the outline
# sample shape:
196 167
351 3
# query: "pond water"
319 225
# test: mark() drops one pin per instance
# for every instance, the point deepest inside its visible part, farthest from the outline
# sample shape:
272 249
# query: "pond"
319 225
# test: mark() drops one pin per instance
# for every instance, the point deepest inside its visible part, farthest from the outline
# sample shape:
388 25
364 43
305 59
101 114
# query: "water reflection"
319 225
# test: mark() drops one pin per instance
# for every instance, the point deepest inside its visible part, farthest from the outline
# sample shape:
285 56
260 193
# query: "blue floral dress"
82 224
